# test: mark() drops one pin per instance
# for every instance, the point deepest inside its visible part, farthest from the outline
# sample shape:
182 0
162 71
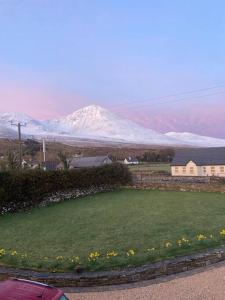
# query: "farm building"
199 162
131 161
92 161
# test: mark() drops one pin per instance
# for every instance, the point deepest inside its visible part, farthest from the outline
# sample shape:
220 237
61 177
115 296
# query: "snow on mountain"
98 122
95 122
32 126
196 140
7 132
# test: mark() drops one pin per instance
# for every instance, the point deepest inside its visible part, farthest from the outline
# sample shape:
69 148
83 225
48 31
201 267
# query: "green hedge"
25 189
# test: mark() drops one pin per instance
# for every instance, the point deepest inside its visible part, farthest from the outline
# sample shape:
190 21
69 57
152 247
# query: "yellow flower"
14 253
130 252
222 232
151 249
2 252
168 244
93 256
179 242
59 257
201 237
75 259
111 254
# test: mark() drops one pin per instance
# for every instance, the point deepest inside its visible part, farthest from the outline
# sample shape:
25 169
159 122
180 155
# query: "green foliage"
13 162
62 156
144 220
162 155
31 147
25 189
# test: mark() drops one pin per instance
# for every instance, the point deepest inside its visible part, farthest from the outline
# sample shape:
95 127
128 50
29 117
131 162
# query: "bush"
20 190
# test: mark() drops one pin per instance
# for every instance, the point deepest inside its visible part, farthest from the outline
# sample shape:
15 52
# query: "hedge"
25 189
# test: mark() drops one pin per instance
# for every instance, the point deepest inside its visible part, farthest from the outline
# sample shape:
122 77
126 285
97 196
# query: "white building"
131 161
199 162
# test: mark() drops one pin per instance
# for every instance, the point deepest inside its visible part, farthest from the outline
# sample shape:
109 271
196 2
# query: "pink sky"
39 101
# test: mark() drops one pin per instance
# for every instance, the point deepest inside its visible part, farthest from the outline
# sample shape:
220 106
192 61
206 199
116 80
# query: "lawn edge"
124 276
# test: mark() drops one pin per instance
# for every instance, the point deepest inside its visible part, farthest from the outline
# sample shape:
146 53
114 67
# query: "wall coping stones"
127 275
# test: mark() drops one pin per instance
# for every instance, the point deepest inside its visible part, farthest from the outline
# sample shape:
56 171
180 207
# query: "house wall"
126 162
191 169
107 161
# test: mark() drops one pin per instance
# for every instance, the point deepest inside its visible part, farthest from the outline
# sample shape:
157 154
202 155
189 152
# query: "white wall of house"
191 169
126 162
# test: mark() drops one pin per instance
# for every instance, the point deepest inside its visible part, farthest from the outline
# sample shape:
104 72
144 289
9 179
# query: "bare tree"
13 160
62 156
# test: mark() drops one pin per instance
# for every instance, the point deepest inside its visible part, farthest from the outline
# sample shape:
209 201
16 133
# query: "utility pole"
19 125
44 151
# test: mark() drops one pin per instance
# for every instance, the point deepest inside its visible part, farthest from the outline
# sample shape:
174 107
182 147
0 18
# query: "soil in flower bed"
113 230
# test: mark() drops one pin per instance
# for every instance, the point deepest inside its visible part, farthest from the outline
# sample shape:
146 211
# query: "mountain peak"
91 109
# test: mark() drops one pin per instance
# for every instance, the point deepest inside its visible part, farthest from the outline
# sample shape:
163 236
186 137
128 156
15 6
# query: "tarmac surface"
203 284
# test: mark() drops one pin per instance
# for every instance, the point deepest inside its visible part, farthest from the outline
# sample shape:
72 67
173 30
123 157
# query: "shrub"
19 190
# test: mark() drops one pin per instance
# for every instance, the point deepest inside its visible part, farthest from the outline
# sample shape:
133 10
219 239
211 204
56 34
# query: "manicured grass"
152 167
121 220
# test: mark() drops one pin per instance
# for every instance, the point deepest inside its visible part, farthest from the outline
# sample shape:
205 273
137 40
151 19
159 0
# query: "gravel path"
204 284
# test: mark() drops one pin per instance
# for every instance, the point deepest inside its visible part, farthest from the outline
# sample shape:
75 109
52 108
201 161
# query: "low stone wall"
130 275
148 178
178 183
76 193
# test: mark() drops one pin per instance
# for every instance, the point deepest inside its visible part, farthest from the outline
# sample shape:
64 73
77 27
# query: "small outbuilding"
199 162
131 161
89 161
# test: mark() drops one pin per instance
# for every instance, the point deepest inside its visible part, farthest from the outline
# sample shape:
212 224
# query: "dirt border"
128 275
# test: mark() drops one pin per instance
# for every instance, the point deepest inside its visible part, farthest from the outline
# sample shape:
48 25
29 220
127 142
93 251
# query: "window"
204 169
184 170
191 170
213 169
176 169
221 169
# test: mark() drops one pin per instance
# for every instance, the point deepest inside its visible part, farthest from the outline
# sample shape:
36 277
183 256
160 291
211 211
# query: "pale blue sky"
110 52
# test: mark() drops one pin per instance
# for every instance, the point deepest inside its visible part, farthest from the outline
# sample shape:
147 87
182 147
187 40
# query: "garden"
112 230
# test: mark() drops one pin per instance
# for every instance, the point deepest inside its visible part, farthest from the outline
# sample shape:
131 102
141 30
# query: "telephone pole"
19 125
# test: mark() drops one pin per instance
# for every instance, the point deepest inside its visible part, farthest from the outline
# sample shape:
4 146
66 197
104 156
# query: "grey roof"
131 159
51 165
201 156
90 161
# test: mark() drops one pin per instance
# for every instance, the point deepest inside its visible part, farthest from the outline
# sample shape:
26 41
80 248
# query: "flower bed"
105 260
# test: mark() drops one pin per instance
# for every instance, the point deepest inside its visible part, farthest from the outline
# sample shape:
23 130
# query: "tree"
13 160
62 156
31 147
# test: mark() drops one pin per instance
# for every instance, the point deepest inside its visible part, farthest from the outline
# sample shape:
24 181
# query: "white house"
131 161
199 162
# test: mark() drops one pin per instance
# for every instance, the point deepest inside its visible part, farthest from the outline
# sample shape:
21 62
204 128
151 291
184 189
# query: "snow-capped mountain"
95 122
196 140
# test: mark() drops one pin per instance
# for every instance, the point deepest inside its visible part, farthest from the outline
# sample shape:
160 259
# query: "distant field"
151 167
111 230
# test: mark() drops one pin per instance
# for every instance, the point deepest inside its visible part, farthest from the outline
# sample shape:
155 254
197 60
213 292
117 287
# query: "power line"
138 103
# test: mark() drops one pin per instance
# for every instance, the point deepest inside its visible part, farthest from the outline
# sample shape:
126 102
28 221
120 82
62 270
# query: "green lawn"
152 167
148 222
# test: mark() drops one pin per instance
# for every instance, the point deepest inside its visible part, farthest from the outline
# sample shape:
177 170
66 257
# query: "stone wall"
147 178
165 182
129 275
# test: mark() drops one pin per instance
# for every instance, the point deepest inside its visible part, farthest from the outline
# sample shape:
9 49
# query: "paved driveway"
204 284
